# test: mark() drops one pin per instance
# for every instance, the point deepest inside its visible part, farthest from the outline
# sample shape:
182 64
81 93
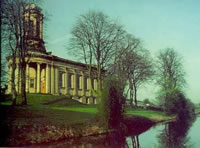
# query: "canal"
179 134
172 135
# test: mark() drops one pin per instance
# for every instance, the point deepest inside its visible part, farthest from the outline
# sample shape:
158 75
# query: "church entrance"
43 87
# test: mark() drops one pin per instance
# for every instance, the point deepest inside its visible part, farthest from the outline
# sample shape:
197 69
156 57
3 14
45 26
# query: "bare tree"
18 29
134 64
93 39
170 70
8 36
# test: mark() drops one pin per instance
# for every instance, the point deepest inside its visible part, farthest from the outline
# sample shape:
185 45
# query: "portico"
57 77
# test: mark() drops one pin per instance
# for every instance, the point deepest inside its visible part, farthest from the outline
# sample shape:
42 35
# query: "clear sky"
158 23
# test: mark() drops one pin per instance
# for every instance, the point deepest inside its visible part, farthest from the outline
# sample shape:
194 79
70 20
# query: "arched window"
38 28
31 28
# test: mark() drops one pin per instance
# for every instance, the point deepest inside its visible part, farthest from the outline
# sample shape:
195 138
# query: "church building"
49 74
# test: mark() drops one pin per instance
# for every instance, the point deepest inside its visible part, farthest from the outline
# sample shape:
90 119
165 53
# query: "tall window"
61 80
31 28
38 28
70 80
86 83
79 78
31 83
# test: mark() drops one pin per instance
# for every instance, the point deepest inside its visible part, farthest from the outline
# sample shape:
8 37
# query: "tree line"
102 43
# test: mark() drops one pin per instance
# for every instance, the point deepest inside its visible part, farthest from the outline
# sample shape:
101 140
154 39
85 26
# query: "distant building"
49 74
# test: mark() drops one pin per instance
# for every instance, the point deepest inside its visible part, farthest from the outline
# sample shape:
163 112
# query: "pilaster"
56 80
83 84
52 80
27 77
47 78
38 78
17 78
66 82
75 83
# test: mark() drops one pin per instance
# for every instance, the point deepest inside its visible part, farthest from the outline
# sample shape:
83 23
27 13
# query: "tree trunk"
23 84
131 96
13 89
131 92
99 80
135 93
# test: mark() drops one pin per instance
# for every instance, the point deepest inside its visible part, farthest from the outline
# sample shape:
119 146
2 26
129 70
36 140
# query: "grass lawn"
81 109
150 114
45 109
53 109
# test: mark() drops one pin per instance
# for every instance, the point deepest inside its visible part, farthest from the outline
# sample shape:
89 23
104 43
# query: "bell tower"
33 24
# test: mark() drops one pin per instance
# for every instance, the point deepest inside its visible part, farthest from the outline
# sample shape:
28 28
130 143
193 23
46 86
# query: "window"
38 28
86 84
70 81
61 80
31 83
31 28
78 81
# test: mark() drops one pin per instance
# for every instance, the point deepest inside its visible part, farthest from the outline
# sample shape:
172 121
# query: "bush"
5 97
176 103
110 108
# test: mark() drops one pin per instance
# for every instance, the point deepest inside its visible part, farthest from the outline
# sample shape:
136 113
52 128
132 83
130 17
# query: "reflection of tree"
134 142
174 135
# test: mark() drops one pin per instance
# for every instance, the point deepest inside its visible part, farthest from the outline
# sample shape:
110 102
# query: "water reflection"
134 142
171 135
175 134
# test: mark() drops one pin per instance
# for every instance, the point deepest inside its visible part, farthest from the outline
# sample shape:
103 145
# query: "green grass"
91 110
8 103
150 114
66 104
42 99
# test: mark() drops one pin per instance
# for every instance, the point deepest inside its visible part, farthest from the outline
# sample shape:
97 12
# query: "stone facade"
49 74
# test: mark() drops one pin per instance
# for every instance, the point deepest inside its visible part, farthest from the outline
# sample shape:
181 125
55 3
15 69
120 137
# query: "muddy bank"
30 135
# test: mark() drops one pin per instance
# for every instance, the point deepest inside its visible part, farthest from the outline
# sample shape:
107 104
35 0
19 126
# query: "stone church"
49 74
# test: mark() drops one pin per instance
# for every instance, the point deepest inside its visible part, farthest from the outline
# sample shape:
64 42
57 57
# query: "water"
173 135
180 134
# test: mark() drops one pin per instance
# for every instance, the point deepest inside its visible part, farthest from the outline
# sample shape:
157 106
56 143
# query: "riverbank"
55 118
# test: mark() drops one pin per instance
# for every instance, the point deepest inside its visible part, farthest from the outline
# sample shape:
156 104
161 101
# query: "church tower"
33 24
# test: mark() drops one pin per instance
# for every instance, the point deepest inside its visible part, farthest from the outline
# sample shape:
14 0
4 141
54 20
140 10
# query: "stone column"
66 82
52 80
75 83
27 77
17 77
56 80
90 86
47 78
38 78
83 84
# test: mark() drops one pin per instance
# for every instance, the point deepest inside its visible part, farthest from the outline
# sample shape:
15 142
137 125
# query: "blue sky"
158 23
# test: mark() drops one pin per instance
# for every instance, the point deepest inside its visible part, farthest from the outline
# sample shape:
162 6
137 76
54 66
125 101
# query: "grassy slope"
63 107
150 114
44 109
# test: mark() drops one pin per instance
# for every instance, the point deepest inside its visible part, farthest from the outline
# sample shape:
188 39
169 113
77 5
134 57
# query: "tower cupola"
33 24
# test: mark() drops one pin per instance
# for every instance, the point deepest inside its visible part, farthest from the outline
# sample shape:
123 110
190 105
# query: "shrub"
110 108
176 103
